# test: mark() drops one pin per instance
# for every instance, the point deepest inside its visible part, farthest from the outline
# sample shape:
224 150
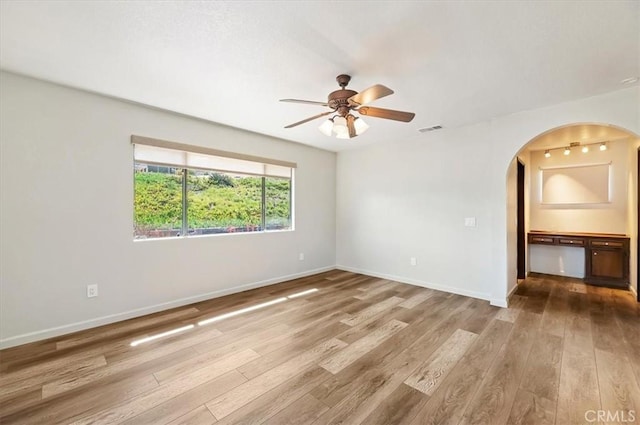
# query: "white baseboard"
499 302
633 290
505 304
416 282
112 318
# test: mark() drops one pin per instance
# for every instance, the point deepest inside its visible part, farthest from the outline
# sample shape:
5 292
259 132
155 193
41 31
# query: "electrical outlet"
301 256
413 261
92 291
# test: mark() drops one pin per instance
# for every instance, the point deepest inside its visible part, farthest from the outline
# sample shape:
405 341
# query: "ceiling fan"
343 102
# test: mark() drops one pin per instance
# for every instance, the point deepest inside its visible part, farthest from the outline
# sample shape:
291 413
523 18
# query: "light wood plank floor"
360 350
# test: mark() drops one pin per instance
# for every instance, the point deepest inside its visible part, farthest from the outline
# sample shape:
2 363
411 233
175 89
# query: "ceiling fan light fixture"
326 127
341 132
340 126
340 121
360 126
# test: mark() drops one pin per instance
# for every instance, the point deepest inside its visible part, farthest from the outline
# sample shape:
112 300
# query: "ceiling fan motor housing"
338 100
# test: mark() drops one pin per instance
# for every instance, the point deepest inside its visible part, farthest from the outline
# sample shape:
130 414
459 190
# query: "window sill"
214 235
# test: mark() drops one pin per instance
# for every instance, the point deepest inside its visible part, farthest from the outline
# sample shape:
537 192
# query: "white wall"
557 260
67 214
409 198
593 218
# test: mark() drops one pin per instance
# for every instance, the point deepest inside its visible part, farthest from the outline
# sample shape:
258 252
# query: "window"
157 201
223 203
181 190
277 195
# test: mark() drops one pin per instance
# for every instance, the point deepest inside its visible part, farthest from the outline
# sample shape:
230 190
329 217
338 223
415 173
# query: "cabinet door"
607 263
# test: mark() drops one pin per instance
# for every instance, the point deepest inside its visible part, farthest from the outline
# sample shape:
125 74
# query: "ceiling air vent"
427 129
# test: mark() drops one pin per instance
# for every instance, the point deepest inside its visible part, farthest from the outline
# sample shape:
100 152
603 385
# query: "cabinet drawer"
541 240
571 242
609 244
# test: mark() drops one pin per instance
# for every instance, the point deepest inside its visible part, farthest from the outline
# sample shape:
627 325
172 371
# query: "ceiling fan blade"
369 95
350 126
308 102
309 119
389 114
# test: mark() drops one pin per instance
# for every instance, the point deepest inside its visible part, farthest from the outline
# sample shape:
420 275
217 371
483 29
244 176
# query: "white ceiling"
453 63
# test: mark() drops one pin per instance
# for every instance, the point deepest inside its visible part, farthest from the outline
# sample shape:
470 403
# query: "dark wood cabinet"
606 255
607 264
607 261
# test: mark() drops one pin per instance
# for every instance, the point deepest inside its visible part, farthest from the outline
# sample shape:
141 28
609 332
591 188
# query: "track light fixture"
584 148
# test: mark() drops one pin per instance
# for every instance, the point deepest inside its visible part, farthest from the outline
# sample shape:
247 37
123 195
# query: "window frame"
184 174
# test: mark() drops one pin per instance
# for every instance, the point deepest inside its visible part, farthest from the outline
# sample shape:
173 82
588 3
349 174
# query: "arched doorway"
563 146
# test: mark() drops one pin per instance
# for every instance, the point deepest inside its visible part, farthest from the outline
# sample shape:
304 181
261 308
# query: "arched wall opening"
619 215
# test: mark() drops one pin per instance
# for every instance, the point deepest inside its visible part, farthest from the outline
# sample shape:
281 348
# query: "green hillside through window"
216 202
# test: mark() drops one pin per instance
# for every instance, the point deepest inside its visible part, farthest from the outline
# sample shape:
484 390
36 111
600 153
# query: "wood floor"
360 350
